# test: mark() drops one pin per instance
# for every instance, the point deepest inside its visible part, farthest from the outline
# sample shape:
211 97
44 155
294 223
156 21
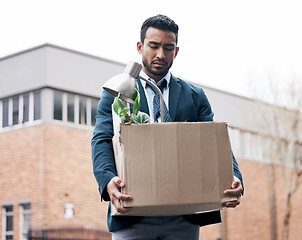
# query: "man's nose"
161 53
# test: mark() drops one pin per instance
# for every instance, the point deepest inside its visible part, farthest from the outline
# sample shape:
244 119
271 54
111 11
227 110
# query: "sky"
231 45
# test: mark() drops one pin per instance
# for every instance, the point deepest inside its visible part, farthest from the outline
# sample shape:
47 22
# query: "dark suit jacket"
186 103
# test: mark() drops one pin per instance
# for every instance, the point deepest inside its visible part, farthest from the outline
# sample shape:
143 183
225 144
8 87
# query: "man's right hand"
114 191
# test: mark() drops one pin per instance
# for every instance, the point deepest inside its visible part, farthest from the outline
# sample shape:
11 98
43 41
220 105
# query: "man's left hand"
236 190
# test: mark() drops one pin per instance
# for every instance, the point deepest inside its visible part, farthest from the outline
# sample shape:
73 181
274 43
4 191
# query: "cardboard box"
174 168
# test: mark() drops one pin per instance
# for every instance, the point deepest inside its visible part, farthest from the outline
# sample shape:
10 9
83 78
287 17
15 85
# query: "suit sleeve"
237 172
104 168
205 113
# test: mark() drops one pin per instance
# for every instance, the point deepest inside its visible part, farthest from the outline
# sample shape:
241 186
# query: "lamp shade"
123 85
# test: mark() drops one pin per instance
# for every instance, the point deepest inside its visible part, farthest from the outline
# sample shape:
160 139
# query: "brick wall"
251 219
50 164
69 178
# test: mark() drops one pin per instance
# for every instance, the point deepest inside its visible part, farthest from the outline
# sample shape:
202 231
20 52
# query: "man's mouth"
159 64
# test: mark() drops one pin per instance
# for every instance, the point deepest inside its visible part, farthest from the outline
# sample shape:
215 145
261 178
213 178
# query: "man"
158 47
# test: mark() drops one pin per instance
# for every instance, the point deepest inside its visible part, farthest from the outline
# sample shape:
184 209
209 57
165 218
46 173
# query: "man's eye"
153 47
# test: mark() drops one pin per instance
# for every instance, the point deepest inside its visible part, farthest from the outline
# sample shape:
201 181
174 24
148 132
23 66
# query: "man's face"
158 52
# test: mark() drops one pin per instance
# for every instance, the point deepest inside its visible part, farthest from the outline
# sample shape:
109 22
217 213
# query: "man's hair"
160 22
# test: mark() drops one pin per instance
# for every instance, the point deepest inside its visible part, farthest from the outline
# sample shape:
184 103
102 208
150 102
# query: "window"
82 111
74 108
58 111
234 135
15 110
5 114
25 220
20 109
37 105
8 222
94 107
25 108
70 108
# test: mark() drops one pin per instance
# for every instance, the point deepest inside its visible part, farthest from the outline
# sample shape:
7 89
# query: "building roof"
49 65
61 48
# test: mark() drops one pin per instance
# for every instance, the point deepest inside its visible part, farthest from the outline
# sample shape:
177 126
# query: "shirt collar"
144 75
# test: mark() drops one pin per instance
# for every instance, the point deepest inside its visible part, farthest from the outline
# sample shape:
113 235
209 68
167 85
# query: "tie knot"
161 85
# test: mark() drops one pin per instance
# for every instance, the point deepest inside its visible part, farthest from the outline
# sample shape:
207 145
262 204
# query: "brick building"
48 100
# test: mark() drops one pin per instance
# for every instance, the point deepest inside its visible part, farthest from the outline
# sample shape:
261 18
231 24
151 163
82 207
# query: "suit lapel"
174 94
144 104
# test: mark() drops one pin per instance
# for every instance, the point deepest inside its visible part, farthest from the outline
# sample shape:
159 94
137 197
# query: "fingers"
113 189
236 183
118 181
236 190
119 196
119 207
232 204
115 186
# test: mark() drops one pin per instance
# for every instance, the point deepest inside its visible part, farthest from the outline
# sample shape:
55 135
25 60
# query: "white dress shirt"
150 94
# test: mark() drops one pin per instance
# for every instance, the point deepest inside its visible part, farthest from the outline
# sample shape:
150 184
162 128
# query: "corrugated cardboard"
174 168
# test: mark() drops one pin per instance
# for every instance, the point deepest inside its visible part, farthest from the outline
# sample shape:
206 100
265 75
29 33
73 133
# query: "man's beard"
156 73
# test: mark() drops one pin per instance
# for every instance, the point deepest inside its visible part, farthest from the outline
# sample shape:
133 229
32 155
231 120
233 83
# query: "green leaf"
140 118
119 107
137 104
136 93
144 117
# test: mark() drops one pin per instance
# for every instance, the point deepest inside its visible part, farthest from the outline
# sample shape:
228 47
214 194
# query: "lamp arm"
162 112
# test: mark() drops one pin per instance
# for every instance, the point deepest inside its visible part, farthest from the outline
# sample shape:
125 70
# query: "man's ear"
176 51
139 46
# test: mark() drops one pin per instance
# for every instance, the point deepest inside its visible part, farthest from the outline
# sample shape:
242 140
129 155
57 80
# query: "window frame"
22 212
5 214
12 116
71 105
